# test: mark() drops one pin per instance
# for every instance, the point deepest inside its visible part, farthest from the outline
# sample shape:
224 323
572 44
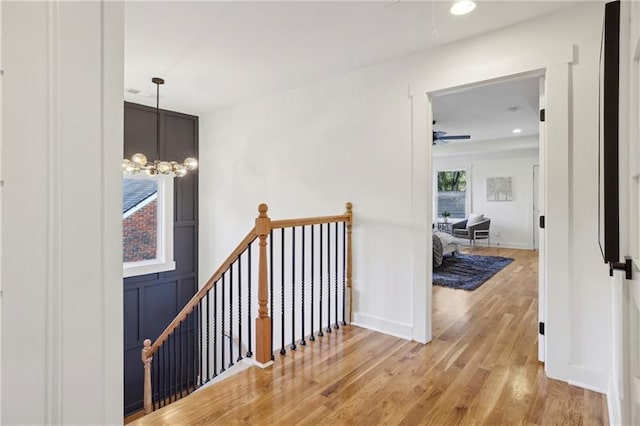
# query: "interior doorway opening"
487 199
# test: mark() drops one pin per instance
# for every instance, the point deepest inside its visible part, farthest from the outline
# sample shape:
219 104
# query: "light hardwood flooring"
480 368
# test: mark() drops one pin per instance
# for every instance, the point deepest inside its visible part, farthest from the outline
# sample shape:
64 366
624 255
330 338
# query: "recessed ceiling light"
462 7
517 130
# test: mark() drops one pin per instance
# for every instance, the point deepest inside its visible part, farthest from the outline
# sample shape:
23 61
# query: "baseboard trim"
588 387
261 365
496 244
588 379
231 371
381 325
501 244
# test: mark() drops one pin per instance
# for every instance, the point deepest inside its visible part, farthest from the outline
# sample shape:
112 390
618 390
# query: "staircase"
301 274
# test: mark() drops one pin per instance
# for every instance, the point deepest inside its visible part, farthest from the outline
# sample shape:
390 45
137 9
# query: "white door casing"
542 290
535 210
630 234
555 65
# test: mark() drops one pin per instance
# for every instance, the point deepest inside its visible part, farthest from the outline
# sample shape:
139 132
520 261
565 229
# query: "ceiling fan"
440 136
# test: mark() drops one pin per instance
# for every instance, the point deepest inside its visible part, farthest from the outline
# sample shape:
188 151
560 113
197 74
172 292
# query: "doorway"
485 167
554 269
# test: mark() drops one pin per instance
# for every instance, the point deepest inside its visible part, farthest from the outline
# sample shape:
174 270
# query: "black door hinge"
541 222
542 114
541 328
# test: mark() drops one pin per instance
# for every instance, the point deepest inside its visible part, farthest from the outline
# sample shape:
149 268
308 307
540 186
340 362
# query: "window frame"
164 260
466 168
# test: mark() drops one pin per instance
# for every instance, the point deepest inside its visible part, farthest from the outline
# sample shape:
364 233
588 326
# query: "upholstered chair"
475 227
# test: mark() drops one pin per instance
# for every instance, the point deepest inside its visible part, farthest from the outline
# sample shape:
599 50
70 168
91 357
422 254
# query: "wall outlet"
498 234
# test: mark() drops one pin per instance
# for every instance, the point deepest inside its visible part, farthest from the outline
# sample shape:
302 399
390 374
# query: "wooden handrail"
251 236
263 226
288 223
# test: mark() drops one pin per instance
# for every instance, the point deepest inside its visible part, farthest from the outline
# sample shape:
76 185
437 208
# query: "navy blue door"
152 301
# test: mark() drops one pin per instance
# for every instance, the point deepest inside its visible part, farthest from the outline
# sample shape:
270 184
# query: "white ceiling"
213 54
484 112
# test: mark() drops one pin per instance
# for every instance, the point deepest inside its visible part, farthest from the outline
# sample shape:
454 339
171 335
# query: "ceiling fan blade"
453 137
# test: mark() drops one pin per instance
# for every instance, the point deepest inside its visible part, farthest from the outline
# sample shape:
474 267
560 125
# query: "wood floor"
480 368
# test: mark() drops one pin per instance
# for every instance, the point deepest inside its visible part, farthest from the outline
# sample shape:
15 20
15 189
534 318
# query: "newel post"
349 261
147 376
263 322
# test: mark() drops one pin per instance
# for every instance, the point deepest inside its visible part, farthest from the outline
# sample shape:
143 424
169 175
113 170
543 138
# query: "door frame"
535 174
554 65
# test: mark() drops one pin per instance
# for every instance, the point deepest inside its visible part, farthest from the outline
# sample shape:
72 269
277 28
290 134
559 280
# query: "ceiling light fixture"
517 130
462 7
138 162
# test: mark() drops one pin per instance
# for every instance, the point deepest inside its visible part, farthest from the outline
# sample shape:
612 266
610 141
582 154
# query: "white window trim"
164 261
467 202
140 205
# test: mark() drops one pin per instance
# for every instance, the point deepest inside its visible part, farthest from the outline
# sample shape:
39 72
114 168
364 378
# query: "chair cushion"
474 218
460 232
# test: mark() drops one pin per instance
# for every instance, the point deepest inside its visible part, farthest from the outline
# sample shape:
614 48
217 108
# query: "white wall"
511 221
61 219
306 151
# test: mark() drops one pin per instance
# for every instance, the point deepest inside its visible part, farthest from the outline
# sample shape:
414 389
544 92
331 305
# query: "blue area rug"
468 272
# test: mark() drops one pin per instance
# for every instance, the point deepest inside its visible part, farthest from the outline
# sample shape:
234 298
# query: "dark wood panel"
184 250
133 381
139 130
161 305
180 132
131 316
160 296
186 290
187 193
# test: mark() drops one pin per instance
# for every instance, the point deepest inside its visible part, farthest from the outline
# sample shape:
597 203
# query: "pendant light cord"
158 120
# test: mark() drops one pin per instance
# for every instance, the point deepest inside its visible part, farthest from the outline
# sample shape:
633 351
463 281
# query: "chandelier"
139 163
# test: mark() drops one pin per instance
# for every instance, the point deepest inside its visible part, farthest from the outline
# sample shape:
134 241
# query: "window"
147 225
452 193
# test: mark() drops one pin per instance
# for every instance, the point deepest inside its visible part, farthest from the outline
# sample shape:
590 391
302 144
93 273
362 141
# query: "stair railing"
191 350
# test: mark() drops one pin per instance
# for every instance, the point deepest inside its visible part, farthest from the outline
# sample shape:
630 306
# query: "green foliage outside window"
452 181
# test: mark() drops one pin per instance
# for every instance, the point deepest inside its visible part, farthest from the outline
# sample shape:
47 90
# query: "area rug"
468 272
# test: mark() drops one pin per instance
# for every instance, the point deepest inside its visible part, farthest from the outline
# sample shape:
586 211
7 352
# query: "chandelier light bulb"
181 171
190 163
139 159
164 167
